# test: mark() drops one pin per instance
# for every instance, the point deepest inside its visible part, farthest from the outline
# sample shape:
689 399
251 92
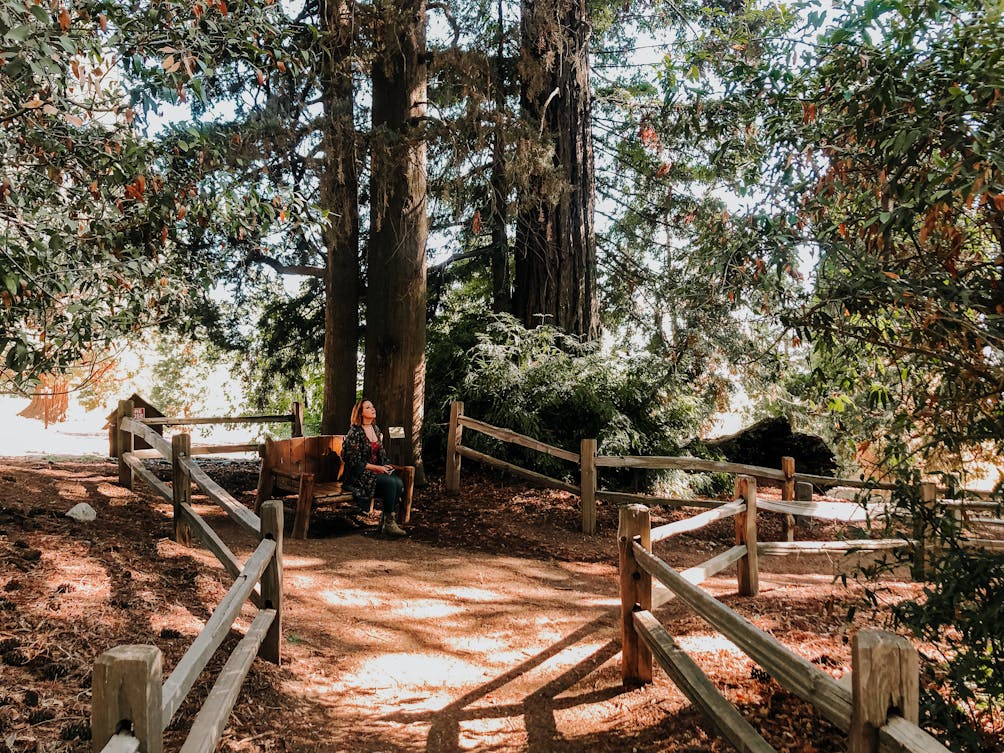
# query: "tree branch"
461 256
304 270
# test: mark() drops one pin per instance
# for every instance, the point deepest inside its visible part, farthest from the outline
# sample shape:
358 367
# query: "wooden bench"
312 468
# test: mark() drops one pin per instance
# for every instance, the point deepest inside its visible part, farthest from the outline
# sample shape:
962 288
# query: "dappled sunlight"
814 580
72 490
486 733
410 672
111 490
450 654
597 602
302 563
709 644
349 597
494 645
426 609
87 578
176 617
396 645
469 593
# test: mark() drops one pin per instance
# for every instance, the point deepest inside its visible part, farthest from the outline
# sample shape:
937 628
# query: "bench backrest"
321 455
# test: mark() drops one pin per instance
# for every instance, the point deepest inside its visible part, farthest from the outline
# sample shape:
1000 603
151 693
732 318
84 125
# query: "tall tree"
396 278
339 201
555 269
499 195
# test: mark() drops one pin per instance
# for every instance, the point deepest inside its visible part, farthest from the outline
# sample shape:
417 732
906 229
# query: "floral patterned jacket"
355 456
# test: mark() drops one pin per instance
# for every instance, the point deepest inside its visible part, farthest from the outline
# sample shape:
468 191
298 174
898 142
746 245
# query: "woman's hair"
356 419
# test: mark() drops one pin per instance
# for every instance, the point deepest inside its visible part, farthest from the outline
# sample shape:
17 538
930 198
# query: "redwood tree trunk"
339 200
555 270
499 214
396 290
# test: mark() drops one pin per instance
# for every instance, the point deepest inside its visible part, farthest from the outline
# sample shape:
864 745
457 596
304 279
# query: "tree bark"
339 200
555 269
396 290
499 216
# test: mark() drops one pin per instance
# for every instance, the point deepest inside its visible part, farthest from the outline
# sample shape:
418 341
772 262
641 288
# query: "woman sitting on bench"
367 472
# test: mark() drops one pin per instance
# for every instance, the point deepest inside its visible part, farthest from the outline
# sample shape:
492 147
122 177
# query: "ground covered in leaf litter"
492 627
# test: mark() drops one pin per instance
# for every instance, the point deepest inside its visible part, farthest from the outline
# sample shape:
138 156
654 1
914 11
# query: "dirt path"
398 646
390 645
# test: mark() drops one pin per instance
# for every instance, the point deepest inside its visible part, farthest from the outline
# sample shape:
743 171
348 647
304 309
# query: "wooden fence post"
125 443
788 495
297 421
747 573
587 484
884 676
181 486
271 581
454 434
922 532
126 687
636 593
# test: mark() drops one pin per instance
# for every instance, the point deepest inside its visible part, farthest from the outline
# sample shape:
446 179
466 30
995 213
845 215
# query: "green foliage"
109 226
179 370
552 387
964 598
889 150
81 218
959 618
688 273
887 141
287 344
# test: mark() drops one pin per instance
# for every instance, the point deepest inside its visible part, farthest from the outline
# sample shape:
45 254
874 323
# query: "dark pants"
389 489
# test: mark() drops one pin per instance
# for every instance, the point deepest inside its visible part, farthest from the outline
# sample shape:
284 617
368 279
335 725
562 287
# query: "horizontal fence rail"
206 449
155 440
658 462
506 435
230 504
818 547
846 512
697 521
202 420
211 721
538 478
632 498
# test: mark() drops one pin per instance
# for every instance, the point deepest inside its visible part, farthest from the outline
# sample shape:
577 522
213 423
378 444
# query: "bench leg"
303 503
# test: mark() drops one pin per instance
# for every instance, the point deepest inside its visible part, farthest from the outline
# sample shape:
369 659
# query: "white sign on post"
395 432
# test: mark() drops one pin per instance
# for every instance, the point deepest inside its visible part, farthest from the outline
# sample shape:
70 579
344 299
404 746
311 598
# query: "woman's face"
369 412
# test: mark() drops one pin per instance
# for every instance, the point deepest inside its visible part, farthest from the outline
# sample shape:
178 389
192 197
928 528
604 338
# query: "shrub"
554 388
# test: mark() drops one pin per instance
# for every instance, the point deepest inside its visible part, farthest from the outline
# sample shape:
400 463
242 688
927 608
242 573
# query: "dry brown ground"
493 627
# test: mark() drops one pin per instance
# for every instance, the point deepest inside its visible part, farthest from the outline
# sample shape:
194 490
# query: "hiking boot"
389 526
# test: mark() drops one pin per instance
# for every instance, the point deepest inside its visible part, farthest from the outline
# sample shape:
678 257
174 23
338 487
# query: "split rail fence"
876 703
131 707
796 488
